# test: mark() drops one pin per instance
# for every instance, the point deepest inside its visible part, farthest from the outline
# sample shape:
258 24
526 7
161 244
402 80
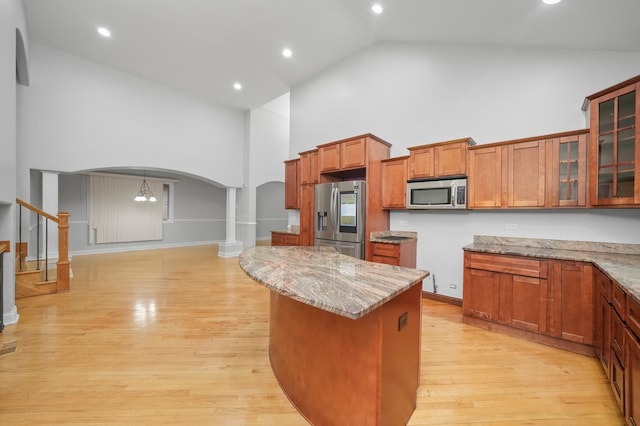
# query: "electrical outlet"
402 223
402 321
511 226
452 285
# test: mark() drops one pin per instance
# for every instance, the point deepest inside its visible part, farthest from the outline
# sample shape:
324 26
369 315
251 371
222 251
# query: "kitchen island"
344 334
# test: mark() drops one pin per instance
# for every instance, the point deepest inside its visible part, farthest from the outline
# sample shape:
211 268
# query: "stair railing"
62 220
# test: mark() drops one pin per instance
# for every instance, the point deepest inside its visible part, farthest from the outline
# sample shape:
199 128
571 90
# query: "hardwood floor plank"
180 336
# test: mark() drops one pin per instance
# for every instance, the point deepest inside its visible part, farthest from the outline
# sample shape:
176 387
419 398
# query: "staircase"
41 276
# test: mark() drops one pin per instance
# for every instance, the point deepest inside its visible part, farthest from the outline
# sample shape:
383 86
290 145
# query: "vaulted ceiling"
203 47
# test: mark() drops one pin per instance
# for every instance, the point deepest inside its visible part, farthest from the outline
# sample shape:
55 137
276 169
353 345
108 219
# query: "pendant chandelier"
145 193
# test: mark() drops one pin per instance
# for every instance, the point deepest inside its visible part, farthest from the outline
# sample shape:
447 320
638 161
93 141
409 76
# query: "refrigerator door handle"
334 211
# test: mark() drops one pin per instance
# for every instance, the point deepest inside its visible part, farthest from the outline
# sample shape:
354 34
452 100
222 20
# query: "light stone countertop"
323 278
293 230
620 261
390 237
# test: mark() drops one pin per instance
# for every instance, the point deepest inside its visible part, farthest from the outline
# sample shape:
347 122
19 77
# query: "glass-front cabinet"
614 146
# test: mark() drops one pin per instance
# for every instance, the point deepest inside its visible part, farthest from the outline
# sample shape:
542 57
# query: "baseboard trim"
442 298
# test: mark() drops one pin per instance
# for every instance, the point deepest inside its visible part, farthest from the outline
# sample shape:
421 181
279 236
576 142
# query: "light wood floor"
179 336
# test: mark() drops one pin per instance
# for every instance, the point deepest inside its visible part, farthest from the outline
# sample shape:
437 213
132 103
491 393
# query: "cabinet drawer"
619 300
290 240
386 260
603 285
527 267
382 249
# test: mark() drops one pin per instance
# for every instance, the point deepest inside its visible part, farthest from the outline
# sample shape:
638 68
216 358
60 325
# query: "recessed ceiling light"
237 86
551 1
377 8
104 32
286 52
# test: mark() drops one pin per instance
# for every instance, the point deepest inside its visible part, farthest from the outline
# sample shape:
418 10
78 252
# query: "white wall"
78 115
412 94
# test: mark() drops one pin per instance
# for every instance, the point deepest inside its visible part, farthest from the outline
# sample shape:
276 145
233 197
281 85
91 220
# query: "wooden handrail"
5 246
37 210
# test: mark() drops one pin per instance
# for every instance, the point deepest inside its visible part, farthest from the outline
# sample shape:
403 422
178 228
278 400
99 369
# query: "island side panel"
326 364
336 370
401 356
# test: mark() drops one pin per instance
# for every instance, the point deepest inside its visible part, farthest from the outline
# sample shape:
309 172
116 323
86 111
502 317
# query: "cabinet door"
329 158
485 177
526 174
602 338
309 167
617 381
614 148
572 293
632 380
523 302
353 154
277 239
307 211
394 183
291 186
567 171
422 163
480 298
451 159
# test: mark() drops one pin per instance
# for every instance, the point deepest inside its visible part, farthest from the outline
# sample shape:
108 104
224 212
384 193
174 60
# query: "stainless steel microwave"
439 193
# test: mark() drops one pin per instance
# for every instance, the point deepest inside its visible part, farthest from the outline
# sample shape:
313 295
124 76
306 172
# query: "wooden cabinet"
525 171
394 183
307 209
631 380
510 290
551 299
342 155
485 177
439 159
309 167
572 295
614 146
291 184
567 170
542 172
284 239
403 254
602 319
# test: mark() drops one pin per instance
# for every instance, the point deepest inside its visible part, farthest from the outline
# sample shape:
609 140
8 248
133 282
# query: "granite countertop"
293 230
620 261
393 237
326 279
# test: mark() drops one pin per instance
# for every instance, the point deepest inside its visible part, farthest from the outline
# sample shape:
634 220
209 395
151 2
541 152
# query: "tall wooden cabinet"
614 147
291 184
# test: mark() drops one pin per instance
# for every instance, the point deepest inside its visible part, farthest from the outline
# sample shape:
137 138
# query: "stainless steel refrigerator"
340 216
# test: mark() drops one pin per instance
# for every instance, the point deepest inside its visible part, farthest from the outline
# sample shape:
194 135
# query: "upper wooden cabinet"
342 155
567 170
540 172
447 158
394 183
291 184
309 167
614 147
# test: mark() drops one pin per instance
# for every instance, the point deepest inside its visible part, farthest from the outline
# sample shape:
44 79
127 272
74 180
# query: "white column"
50 205
230 247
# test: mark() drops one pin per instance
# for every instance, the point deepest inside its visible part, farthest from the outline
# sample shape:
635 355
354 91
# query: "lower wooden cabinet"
284 239
632 379
403 254
546 297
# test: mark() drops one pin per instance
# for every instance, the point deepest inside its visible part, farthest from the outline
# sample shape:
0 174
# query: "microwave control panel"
461 195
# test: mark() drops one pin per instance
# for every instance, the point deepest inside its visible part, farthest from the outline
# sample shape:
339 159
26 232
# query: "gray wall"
270 212
199 216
